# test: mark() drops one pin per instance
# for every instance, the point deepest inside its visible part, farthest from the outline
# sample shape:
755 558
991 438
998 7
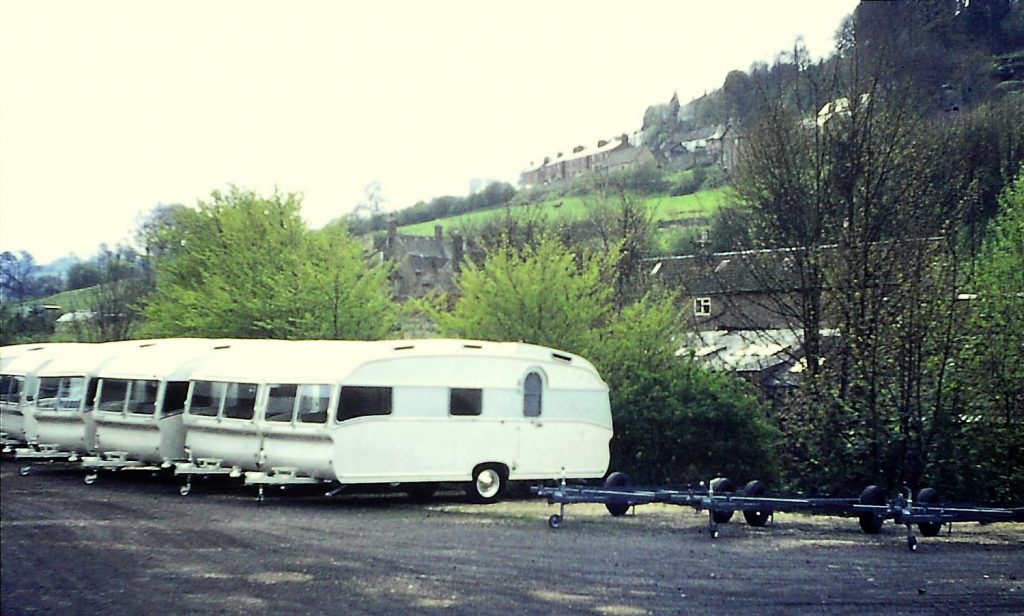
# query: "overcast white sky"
109 108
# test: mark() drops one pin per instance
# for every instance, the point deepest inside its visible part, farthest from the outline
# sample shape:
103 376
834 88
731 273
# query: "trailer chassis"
758 508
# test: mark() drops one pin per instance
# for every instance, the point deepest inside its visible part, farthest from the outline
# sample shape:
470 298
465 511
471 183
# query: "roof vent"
564 358
405 348
472 346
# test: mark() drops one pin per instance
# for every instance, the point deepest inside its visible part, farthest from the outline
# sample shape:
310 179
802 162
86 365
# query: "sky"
109 108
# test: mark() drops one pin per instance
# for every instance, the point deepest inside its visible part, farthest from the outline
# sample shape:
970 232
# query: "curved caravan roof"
13 351
85 359
35 357
171 359
330 361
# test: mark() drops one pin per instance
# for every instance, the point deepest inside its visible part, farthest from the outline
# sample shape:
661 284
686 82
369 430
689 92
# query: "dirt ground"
130 544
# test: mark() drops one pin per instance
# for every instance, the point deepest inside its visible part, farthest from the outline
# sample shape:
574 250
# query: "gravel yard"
131 544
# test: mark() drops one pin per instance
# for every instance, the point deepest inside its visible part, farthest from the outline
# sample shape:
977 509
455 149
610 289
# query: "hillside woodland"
881 189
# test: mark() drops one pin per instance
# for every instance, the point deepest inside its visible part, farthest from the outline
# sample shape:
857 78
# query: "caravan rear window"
61 393
363 401
465 401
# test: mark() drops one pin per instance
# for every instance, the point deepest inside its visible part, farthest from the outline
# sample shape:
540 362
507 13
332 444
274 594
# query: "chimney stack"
457 252
438 234
392 233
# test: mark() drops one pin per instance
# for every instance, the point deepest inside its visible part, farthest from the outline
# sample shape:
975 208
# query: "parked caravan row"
416 413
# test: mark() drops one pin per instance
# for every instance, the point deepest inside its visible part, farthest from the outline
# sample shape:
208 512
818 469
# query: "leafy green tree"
676 420
246 266
82 275
539 294
978 444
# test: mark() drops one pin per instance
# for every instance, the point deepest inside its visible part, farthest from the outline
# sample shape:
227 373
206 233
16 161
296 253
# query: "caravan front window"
313 403
240 401
142 400
49 387
68 396
112 395
362 401
465 401
206 397
281 403
10 388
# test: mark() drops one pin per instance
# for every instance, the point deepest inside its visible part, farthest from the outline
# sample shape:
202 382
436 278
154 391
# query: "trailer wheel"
871 523
421 492
617 479
755 489
722 485
929 496
555 521
487 485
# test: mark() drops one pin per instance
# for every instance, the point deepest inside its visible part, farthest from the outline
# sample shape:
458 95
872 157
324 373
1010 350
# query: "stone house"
422 264
607 157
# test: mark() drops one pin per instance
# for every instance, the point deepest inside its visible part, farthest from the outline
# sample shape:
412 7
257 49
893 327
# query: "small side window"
363 401
702 306
463 402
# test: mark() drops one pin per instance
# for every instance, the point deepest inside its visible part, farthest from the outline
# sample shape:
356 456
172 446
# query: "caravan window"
240 401
532 392
280 403
313 403
112 395
10 388
142 399
362 401
206 397
49 387
465 401
175 394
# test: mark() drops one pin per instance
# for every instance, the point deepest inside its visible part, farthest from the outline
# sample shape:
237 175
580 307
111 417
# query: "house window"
465 401
702 306
363 401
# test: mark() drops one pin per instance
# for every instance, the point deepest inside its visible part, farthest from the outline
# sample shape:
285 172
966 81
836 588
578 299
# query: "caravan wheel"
487 485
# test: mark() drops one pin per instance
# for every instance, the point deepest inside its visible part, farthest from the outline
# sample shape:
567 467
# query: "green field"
663 207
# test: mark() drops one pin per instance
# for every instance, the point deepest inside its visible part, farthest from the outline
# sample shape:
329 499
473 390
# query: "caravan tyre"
487 485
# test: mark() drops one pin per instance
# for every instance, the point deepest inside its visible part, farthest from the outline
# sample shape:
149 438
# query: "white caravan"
61 417
18 383
142 392
409 412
